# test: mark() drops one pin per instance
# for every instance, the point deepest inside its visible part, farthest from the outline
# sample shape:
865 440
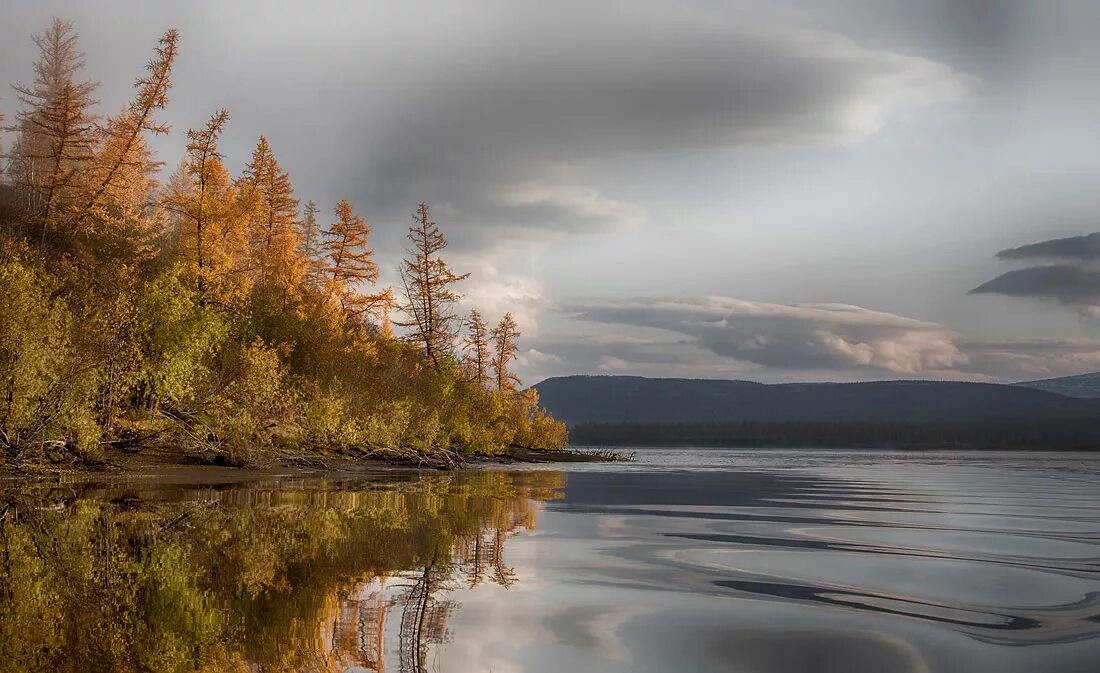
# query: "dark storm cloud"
1082 248
464 106
1066 283
614 86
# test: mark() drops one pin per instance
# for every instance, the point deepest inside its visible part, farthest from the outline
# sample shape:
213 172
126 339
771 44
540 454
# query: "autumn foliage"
207 314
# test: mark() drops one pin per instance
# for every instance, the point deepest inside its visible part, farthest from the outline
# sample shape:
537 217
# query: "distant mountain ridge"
581 400
1085 386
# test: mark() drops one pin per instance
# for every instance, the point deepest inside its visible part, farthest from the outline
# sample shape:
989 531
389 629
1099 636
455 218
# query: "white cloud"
495 292
562 206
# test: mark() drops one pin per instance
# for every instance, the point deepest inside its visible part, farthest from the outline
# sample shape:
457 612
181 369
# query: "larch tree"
429 295
57 140
505 338
348 259
309 247
349 262
274 225
384 304
478 354
202 197
122 173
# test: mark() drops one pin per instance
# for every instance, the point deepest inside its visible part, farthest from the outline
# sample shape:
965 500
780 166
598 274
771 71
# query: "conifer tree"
478 355
384 307
274 238
505 338
310 244
349 262
56 139
124 164
201 195
348 259
428 282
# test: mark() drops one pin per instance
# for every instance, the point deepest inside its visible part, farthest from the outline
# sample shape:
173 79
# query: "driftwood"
439 459
526 454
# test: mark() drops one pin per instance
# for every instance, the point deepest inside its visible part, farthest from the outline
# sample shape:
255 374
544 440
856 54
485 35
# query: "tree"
428 282
269 197
310 243
124 158
56 141
505 338
477 347
349 262
348 259
201 195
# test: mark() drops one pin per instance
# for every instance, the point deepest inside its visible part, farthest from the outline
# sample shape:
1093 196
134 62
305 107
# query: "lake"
687 560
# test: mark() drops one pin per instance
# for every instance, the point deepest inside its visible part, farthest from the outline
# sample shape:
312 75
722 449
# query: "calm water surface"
751 561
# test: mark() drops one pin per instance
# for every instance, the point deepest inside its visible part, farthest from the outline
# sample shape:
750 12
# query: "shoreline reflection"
302 576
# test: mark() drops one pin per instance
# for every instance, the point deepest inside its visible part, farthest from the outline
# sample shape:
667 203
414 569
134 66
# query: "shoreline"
164 471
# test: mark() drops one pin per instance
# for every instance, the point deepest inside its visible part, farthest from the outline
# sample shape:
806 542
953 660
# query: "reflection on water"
754 562
307 576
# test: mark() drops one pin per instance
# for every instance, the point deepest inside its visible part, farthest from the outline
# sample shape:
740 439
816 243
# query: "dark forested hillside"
635 411
627 399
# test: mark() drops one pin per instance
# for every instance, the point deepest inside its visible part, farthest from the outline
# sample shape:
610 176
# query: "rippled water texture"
746 561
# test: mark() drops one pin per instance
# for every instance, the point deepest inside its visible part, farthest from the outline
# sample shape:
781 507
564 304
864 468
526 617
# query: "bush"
42 385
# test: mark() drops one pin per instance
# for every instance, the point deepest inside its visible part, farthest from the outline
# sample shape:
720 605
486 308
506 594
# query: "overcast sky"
780 190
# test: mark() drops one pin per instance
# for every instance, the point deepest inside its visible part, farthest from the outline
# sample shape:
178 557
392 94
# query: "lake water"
694 561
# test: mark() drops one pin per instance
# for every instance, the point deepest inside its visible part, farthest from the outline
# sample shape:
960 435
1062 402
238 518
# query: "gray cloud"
651 355
627 354
1033 358
1085 247
1068 284
567 207
510 110
799 336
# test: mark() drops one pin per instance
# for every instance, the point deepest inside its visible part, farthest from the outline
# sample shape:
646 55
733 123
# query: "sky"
775 191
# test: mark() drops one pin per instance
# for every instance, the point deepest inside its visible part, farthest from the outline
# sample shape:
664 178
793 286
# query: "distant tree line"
1062 434
210 313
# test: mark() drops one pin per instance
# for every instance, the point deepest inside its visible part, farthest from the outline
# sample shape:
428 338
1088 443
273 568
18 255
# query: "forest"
216 317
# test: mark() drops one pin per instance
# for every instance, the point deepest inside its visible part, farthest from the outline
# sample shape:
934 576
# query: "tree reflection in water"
305 576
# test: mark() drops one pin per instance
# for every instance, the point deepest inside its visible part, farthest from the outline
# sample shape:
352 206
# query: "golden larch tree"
309 248
505 338
349 261
122 174
56 141
273 223
202 198
429 295
478 355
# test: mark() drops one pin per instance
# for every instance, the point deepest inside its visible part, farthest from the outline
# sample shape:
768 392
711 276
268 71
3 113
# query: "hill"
1085 386
629 399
